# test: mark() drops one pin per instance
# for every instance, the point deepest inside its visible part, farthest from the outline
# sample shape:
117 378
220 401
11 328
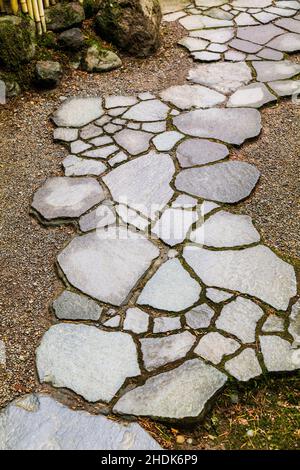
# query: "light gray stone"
130 216
285 87
117 101
102 152
199 317
223 77
164 324
65 134
170 288
144 183
160 351
294 326
273 324
91 362
2 355
102 216
173 225
118 158
206 56
217 296
214 346
111 128
178 394
100 141
67 197
251 96
203 22
76 166
240 318
188 96
232 126
107 264
193 44
268 71
224 229
261 34
288 42
79 146
289 23
224 182
167 140
194 152
244 19
220 35
72 306
251 3
278 354
245 366
270 54
244 46
113 322
234 56
77 112
155 127
90 131
256 271
147 111
134 142
51 425
136 320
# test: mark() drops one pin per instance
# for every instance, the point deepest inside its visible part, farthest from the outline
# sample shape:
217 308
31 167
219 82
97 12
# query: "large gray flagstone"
273 324
245 366
91 362
288 42
193 152
76 166
290 24
278 354
174 224
144 183
134 142
116 101
107 264
224 229
77 112
261 34
251 3
233 126
285 87
72 306
136 320
225 182
181 393
188 96
102 216
163 324
223 77
209 3
67 197
294 326
268 71
214 346
160 351
199 316
202 22
171 288
193 44
147 111
256 271
220 35
244 46
39 422
245 19
65 134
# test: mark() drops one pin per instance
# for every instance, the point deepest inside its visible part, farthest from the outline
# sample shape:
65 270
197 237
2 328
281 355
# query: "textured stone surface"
133 141
245 366
2 354
294 326
255 271
213 347
72 306
268 71
160 351
273 324
107 264
229 125
285 87
194 152
180 393
170 288
67 197
167 140
149 193
100 217
77 112
278 354
216 295
147 111
288 42
65 134
91 362
174 224
240 318
188 96
223 77
251 96
224 229
49 425
163 324
259 34
199 317
224 182
202 22
136 320
76 166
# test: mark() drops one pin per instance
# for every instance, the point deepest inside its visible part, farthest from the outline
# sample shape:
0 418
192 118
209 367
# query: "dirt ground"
28 281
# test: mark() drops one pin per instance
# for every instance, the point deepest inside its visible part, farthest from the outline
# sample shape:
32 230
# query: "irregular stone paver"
75 166
160 351
91 362
224 229
2 354
285 87
170 288
136 320
178 394
229 125
167 140
268 71
223 182
72 306
213 347
62 197
278 354
107 264
288 42
65 134
251 96
113 322
188 96
223 77
245 366
134 142
294 327
102 216
193 152
77 112
163 324
38 422
174 224
273 324
216 295
147 111
261 34
255 271
116 101
240 318
199 317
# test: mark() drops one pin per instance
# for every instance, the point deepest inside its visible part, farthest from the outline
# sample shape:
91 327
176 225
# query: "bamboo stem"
46 3
42 15
14 6
2 6
24 6
37 16
30 9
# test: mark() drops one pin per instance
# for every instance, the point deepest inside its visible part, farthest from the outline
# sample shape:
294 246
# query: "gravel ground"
28 280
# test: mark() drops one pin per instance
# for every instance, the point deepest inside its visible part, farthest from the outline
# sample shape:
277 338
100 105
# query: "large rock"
132 25
48 73
97 59
17 41
64 15
72 39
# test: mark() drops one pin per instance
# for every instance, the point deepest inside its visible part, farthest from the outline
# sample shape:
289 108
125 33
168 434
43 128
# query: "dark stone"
17 41
48 73
71 39
132 25
63 16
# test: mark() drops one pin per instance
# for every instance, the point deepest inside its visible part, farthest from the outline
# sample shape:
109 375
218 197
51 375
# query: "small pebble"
180 439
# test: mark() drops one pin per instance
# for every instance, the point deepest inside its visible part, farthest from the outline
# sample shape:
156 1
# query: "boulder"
17 41
63 16
97 59
132 25
48 73
71 39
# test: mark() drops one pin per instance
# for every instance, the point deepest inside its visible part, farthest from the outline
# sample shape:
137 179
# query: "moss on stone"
17 42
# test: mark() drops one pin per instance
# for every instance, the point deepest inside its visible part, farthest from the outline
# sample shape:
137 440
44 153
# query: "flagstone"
65 134
134 142
77 112
294 326
273 324
130 216
76 166
217 47
154 127
206 56
117 101
278 354
188 96
193 152
102 152
244 19
151 110
202 22
90 131
245 366
164 324
171 288
107 264
261 34
256 271
100 141
217 296
173 225
244 46
72 306
289 23
254 95
223 77
112 128
79 146
113 322
234 56
114 112
118 158
251 3
136 320
214 346
265 17
270 54
199 316
160 351
285 87
193 44
102 216
167 140
221 35
268 71
288 42
181 393
281 11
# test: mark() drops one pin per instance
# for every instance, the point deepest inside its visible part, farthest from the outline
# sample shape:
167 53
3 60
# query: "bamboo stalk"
2 6
14 6
42 15
24 6
37 16
46 3
30 9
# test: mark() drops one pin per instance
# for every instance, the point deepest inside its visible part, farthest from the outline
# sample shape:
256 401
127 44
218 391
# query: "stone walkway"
168 293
